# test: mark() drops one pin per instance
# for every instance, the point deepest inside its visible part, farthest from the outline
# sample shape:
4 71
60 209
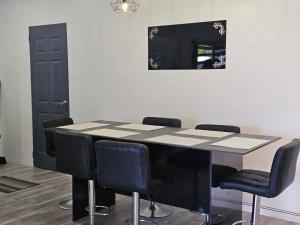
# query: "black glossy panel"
191 186
187 46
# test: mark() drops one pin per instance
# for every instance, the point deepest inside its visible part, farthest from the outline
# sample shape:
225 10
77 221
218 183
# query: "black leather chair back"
284 167
160 121
123 166
48 134
216 127
75 154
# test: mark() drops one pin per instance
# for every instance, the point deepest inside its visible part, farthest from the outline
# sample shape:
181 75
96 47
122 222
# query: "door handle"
63 103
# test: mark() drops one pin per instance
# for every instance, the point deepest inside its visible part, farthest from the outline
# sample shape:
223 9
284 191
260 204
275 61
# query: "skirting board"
273 212
2 160
267 211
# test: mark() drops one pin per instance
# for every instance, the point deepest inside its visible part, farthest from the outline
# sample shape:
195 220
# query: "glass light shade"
124 6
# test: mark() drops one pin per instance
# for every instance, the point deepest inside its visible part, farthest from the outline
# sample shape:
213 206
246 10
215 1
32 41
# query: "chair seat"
220 172
250 181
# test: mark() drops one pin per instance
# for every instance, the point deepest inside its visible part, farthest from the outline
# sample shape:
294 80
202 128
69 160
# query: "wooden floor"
38 205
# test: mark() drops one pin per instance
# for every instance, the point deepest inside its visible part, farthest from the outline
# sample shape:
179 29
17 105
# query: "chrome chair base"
217 219
206 216
241 222
97 208
66 205
136 212
130 222
156 211
92 202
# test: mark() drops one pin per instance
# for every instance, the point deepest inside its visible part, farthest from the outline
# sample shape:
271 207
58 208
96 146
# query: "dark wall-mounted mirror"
187 46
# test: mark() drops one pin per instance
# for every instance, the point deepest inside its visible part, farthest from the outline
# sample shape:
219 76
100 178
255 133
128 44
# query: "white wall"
1 78
109 79
1 151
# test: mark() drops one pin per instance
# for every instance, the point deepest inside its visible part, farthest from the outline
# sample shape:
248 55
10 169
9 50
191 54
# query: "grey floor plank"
38 205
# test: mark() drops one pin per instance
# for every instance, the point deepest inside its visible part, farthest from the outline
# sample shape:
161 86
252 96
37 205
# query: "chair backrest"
284 167
48 134
75 154
216 127
123 166
161 121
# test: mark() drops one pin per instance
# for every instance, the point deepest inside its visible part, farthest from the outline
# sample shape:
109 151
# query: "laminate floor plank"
38 205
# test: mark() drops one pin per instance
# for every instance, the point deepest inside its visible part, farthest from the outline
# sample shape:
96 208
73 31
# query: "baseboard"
2 160
274 212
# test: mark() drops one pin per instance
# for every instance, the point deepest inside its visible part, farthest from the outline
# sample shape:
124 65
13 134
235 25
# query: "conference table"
184 157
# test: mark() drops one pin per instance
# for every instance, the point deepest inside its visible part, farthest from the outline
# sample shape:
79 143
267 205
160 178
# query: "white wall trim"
274 212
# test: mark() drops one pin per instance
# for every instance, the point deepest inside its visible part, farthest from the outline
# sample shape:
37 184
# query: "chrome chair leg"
255 210
255 214
92 220
136 208
241 222
156 211
136 212
92 200
92 208
66 205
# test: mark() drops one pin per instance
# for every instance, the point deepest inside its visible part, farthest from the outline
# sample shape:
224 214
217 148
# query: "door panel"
49 83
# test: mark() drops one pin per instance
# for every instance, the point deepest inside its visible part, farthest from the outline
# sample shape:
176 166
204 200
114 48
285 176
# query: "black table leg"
80 197
228 203
190 188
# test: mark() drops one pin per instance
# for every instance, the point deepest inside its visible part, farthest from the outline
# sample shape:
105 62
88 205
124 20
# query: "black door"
49 83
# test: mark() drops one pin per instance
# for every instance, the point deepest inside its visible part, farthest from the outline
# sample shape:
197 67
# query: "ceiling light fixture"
124 6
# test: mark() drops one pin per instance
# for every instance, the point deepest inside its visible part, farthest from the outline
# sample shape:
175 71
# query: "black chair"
75 156
125 167
50 150
265 184
161 121
157 210
48 135
217 127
